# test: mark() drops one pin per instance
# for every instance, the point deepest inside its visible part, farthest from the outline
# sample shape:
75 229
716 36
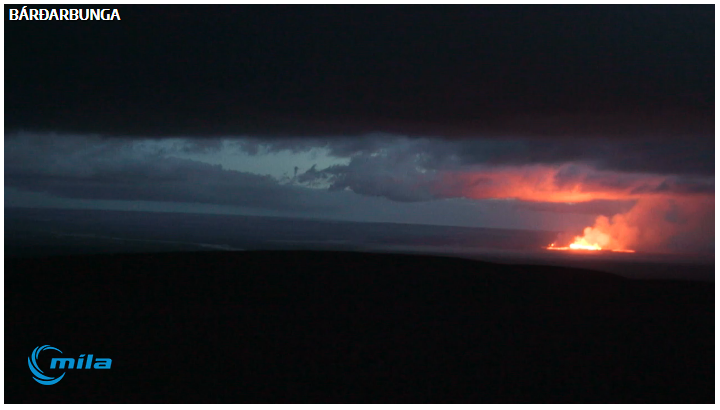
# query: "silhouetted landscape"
312 326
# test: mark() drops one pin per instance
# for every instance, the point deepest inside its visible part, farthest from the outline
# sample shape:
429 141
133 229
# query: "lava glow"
581 244
607 234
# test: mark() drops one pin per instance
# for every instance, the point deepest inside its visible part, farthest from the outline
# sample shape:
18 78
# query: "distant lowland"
38 232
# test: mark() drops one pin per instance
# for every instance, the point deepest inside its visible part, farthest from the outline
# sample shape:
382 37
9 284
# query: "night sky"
527 117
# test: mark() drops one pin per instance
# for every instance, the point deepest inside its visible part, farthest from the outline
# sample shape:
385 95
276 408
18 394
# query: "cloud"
617 72
684 224
594 207
405 173
691 155
397 168
96 168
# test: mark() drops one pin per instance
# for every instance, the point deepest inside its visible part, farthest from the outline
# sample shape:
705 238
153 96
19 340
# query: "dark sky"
339 70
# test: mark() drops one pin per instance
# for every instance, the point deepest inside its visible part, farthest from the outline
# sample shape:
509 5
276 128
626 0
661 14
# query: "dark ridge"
302 326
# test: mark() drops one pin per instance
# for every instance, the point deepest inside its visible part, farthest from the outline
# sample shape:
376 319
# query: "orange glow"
581 244
546 184
596 238
665 215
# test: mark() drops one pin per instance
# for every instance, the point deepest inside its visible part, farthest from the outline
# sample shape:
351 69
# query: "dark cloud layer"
598 207
553 73
93 168
399 169
688 156
400 176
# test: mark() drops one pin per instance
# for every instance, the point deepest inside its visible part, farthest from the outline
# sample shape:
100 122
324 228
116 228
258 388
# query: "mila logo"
82 362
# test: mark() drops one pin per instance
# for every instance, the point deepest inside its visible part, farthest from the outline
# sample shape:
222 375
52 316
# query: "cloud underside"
399 169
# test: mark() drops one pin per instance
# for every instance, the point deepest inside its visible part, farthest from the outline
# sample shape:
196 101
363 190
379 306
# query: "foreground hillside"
307 326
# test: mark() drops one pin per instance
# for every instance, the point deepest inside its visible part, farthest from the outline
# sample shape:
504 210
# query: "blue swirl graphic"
40 377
